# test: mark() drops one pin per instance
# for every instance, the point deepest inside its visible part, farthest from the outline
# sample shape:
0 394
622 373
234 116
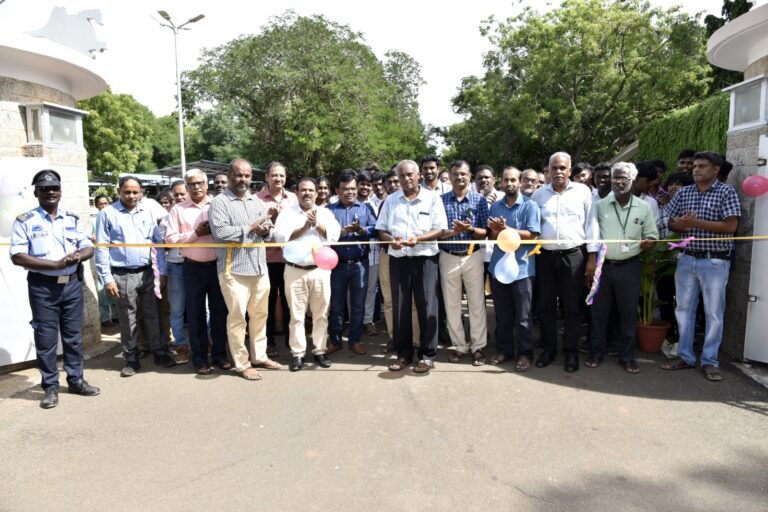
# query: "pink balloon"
755 186
326 258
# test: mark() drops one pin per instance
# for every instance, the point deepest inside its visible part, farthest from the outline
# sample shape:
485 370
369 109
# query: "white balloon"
507 269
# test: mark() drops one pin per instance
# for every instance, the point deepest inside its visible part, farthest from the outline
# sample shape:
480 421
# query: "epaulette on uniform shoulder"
72 214
25 216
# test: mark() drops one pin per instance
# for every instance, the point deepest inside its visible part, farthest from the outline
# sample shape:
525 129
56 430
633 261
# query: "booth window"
55 125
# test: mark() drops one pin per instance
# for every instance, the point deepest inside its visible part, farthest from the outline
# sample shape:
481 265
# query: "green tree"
584 78
314 95
722 78
220 135
166 147
117 134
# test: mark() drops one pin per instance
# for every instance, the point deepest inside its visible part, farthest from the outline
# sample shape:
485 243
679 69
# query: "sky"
444 38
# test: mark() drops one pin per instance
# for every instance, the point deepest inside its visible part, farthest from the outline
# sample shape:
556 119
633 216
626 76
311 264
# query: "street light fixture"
175 29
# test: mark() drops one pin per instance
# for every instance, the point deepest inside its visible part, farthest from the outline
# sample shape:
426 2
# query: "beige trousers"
469 270
307 288
246 294
386 303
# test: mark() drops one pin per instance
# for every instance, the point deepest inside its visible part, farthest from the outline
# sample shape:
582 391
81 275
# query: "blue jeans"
709 276
352 277
175 290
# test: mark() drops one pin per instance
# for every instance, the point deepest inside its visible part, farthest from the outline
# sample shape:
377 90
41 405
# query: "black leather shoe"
164 360
571 363
51 399
297 363
544 360
81 387
323 361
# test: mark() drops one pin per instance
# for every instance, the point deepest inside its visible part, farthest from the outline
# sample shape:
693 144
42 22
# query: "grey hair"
625 166
193 172
561 154
403 163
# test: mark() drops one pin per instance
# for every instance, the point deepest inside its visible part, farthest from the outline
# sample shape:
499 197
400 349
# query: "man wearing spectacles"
188 224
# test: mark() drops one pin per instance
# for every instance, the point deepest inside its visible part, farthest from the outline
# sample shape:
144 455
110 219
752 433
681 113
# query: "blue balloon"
507 269
296 251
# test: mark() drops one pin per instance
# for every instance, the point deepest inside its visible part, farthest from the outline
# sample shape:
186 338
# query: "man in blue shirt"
462 266
358 223
127 272
710 210
512 302
52 245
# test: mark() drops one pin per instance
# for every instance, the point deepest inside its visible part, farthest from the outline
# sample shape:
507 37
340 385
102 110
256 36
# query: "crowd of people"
232 278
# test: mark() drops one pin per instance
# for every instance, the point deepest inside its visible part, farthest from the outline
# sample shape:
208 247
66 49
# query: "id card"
624 247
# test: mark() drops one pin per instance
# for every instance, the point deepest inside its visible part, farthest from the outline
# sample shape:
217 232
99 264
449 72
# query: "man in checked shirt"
706 209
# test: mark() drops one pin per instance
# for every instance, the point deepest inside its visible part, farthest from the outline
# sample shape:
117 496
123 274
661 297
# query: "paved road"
356 437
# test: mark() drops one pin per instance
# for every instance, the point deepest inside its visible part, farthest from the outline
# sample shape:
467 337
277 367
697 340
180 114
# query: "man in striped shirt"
236 216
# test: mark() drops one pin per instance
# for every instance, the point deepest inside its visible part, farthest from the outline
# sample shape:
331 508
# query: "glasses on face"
195 184
349 189
620 179
393 182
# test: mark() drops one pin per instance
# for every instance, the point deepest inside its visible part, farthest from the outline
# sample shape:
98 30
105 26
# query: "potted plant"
658 262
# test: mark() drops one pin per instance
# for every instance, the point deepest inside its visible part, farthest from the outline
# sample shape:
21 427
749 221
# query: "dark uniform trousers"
57 308
415 277
619 290
277 281
560 275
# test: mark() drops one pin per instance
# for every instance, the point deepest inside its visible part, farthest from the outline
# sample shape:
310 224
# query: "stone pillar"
71 163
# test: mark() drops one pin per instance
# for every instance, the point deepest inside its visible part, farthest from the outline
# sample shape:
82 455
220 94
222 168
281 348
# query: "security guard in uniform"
52 244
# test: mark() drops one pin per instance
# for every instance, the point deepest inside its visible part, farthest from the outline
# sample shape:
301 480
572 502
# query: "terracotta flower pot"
650 337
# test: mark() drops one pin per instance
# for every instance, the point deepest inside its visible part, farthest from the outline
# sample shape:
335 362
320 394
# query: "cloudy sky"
139 61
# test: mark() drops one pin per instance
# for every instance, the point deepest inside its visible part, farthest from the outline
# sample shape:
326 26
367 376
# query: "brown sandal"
523 364
677 364
398 364
712 373
423 366
250 374
478 358
456 356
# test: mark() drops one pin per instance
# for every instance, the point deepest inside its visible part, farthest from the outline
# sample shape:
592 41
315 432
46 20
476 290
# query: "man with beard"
409 217
512 302
52 244
430 172
621 216
306 285
529 181
238 216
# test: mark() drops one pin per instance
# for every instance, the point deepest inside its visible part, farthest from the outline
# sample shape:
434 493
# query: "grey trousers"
131 287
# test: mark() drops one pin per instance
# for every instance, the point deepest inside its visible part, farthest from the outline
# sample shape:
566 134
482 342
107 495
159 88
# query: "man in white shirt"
409 217
563 267
305 283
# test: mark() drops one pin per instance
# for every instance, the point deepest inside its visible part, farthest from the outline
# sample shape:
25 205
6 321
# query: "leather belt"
37 278
456 253
354 260
302 267
121 271
617 263
563 251
717 255
201 263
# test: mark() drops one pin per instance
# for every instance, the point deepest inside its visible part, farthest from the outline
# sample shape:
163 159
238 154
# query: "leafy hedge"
701 127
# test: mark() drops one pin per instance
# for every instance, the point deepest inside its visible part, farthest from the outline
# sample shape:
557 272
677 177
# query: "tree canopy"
310 93
583 78
117 134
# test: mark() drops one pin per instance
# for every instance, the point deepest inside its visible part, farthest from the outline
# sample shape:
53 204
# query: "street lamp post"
175 29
